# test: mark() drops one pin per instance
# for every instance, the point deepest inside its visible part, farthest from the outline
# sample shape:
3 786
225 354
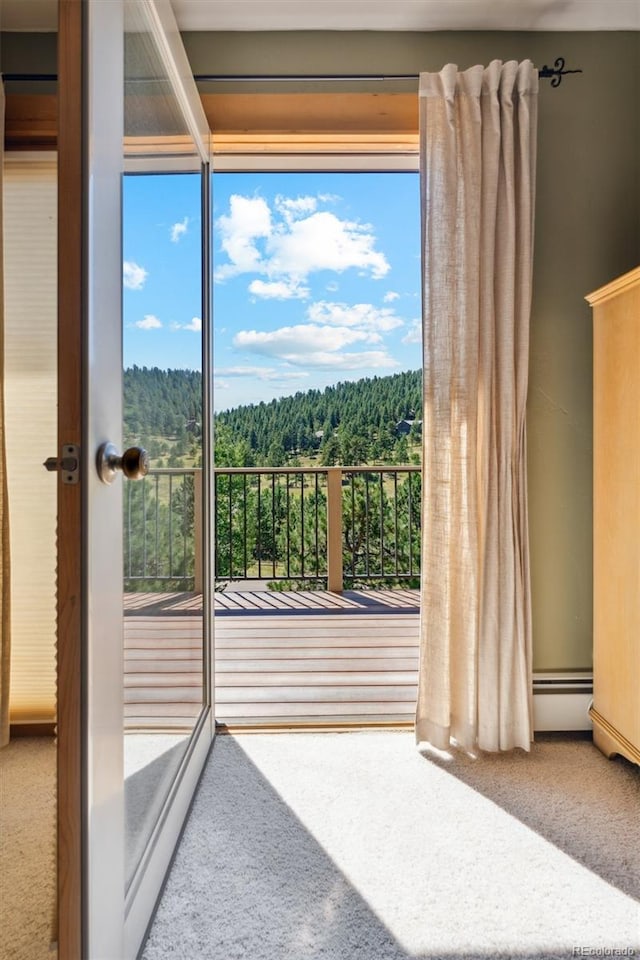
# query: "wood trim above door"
256 122
351 113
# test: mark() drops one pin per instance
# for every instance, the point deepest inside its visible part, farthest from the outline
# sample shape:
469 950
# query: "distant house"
403 427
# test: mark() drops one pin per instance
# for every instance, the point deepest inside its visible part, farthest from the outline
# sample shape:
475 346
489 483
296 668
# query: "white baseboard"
561 701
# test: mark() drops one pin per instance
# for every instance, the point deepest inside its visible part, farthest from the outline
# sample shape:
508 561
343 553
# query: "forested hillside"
349 423
162 406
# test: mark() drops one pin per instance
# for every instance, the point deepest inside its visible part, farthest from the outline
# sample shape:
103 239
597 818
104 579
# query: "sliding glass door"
148 672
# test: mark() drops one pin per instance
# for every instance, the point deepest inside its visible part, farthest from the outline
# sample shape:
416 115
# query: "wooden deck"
308 657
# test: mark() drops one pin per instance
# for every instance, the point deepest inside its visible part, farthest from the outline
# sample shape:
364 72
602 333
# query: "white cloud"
293 240
149 322
278 290
195 325
249 219
178 230
292 208
414 334
308 345
288 342
364 316
261 373
391 296
368 359
133 275
324 242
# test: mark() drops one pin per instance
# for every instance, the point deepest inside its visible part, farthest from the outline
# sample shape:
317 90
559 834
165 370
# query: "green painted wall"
587 233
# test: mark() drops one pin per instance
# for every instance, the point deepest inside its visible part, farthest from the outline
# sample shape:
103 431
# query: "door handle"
134 462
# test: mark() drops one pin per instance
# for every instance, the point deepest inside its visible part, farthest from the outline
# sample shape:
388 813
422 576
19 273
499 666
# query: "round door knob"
134 463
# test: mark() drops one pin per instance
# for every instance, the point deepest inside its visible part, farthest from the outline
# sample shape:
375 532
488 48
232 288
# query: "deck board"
280 657
294 600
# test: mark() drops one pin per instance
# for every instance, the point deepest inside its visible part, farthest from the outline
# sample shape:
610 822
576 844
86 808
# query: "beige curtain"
5 640
477 145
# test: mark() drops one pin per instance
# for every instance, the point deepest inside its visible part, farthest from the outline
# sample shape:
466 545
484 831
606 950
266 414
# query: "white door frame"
103 781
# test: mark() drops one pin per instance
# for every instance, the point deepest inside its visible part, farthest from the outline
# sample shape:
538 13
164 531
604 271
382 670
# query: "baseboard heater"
561 700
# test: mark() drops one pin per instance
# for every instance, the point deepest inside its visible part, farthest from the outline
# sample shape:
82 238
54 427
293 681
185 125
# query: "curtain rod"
554 73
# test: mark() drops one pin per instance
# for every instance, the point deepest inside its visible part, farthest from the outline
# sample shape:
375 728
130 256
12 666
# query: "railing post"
197 531
334 529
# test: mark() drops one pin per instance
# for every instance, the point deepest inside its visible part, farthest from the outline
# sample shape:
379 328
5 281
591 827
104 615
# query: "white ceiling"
407 14
366 14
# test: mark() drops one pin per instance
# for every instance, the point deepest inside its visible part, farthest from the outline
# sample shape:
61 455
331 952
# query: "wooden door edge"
69 530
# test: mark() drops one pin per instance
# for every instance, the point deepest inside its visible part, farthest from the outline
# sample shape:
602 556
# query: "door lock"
68 465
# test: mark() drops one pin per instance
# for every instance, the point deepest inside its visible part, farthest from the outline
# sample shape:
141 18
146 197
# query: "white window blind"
30 245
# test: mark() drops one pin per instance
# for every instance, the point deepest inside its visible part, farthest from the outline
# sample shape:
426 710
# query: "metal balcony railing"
328 525
162 541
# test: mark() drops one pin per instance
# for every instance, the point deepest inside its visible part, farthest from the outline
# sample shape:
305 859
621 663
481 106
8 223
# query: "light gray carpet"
27 848
357 847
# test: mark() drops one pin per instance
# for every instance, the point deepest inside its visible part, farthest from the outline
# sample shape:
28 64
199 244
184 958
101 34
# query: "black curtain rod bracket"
556 72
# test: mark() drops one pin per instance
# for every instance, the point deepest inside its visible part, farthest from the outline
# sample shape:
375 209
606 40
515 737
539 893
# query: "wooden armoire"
616 533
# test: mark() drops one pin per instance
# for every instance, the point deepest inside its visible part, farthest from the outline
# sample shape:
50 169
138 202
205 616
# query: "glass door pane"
162 399
164 302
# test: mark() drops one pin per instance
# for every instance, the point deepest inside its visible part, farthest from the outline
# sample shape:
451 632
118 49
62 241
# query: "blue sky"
316 278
